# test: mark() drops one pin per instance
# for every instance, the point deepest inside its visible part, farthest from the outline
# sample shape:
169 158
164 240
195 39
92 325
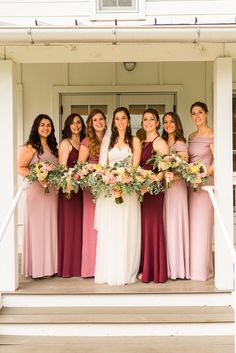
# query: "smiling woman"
70 211
118 225
40 222
201 148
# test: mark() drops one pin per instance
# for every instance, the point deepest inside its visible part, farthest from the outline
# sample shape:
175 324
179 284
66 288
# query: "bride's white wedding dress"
119 233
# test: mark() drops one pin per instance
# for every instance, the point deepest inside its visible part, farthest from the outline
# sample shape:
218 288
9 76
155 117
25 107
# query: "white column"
8 141
223 168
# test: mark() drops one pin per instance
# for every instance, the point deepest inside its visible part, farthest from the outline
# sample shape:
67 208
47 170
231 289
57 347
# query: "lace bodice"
117 154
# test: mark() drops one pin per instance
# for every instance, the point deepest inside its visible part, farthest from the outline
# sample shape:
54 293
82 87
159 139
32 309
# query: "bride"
118 225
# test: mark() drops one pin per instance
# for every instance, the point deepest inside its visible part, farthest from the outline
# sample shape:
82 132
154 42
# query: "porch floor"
77 285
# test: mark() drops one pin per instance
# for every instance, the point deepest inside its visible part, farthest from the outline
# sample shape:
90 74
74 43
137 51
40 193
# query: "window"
117 5
108 10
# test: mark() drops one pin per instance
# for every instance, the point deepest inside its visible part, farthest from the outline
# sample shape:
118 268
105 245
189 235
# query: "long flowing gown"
40 227
153 251
200 215
176 224
70 227
118 238
89 232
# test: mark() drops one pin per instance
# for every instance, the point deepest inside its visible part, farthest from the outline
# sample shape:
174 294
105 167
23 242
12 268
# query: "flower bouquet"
146 181
169 164
195 174
65 178
90 177
118 180
42 172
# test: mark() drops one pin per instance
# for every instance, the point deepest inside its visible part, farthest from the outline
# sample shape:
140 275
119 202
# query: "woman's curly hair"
114 132
34 138
93 140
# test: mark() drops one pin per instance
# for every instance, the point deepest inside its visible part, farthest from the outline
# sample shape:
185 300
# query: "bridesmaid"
70 210
89 151
201 215
153 265
40 217
176 204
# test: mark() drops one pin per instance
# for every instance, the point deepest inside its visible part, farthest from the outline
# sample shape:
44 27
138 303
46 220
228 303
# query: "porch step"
117 321
29 344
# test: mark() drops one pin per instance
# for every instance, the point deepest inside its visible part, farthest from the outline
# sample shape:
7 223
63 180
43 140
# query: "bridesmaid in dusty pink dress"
176 204
70 211
89 151
153 266
40 218
201 213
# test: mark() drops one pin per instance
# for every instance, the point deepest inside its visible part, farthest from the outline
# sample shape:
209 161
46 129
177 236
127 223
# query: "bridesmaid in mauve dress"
70 211
40 216
153 265
89 151
201 211
176 204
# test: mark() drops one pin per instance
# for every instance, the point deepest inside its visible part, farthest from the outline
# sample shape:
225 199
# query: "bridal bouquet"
41 172
171 163
146 181
118 180
195 174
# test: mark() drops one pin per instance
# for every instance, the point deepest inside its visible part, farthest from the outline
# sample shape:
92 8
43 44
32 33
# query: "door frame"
58 91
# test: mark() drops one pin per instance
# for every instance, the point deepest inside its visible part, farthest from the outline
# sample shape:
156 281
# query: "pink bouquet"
41 172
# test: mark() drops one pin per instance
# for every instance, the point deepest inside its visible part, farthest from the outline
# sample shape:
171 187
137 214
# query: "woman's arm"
137 150
83 153
160 145
63 152
25 156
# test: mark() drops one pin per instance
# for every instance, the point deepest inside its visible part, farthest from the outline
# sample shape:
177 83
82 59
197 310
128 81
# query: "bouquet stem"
46 189
119 200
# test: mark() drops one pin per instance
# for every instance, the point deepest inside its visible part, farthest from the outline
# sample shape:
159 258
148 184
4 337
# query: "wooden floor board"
77 285
24 344
112 315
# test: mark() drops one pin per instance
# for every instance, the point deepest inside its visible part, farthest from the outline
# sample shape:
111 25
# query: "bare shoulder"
65 142
27 149
65 145
159 142
180 142
210 132
161 145
136 141
192 134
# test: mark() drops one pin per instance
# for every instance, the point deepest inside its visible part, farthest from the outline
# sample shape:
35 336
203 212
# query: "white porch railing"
230 245
12 209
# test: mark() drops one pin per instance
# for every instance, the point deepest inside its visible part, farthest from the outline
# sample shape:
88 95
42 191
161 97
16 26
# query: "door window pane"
84 110
103 108
136 111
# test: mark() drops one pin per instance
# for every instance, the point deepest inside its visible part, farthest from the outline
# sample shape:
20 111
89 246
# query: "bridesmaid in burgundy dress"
176 204
70 210
153 265
89 151
201 213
